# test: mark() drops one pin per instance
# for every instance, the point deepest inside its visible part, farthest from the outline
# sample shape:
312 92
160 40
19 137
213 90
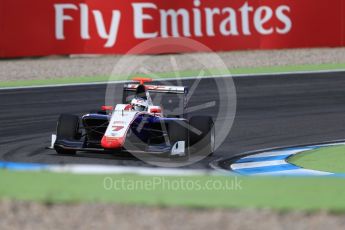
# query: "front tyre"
178 133
67 129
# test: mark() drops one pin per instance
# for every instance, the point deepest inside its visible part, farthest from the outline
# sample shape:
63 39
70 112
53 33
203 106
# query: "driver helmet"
139 104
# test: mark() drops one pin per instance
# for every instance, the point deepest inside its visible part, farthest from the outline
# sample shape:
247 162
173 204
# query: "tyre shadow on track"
93 155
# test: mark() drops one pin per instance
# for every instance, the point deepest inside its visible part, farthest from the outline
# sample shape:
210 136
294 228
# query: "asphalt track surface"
272 111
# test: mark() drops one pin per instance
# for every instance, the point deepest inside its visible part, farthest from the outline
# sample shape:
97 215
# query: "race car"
138 125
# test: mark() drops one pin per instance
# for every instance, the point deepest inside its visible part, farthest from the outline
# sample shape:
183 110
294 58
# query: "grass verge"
238 71
329 159
307 194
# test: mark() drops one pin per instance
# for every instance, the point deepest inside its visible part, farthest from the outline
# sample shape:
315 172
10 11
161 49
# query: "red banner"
49 27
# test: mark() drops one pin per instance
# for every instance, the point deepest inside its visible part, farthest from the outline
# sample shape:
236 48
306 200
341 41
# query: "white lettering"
245 9
209 20
140 17
174 15
197 19
262 15
284 19
84 21
60 17
228 25
114 27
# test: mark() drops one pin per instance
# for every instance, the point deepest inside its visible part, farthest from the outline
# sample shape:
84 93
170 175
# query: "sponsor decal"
119 122
117 128
232 21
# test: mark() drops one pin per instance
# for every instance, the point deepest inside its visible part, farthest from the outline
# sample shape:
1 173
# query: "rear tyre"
99 112
178 131
67 129
202 140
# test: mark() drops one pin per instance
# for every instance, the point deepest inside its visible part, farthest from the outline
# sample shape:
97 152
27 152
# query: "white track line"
257 164
102 169
294 172
274 153
183 78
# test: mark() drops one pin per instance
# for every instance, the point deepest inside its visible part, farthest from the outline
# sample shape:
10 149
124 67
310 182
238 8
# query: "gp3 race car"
138 125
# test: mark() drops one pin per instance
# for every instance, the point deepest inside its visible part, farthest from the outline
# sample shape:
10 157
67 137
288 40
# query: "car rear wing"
158 88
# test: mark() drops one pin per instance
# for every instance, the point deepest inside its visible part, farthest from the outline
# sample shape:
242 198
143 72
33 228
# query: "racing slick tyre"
178 131
204 142
98 111
67 129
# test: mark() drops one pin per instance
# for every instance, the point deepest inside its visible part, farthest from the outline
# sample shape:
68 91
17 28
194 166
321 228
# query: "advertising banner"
62 27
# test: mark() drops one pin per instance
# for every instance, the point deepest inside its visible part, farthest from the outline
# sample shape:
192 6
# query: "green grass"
238 71
308 194
328 159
